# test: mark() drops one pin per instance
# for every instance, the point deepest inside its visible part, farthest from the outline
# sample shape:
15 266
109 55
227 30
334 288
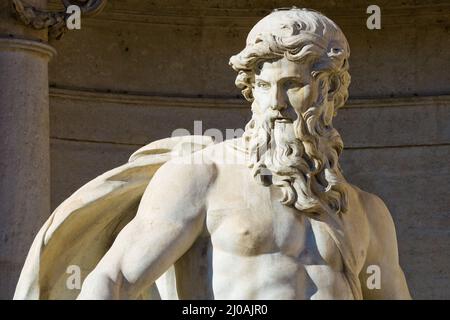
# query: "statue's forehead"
282 68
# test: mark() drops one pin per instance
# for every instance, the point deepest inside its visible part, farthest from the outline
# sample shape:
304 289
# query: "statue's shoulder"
366 198
226 152
192 157
184 158
172 147
373 206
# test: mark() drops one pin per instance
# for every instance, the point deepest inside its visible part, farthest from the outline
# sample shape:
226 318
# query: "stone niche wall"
145 68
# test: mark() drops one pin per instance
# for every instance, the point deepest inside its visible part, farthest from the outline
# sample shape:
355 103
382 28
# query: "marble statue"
278 221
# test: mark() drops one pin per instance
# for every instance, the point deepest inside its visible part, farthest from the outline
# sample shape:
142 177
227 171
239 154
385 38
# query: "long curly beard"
300 157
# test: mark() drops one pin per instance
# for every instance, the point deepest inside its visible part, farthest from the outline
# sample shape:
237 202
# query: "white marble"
279 221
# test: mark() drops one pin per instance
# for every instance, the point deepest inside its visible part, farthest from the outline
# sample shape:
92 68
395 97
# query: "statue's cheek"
301 99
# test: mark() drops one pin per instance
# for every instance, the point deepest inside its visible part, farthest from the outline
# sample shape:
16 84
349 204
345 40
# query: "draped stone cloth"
83 228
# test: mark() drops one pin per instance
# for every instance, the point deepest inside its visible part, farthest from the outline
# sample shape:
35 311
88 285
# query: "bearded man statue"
279 221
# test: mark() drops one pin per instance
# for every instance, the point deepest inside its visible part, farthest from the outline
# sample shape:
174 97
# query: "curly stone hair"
304 36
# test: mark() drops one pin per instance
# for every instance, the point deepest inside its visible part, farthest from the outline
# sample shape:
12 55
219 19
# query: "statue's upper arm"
169 219
177 192
382 253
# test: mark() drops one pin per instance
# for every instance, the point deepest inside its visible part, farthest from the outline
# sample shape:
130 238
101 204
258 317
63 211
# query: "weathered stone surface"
414 182
24 142
75 163
363 123
293 231
147 119
166 48
395 122
159 47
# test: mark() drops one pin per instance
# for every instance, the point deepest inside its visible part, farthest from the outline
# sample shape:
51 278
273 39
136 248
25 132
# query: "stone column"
24 141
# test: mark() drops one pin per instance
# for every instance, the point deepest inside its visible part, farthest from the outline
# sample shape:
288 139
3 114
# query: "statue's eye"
263 85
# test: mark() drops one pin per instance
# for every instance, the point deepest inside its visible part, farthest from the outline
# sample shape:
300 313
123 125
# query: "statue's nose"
278 100
278 106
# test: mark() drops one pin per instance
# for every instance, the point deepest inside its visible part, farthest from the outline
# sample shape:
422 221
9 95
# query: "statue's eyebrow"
298 79
295 78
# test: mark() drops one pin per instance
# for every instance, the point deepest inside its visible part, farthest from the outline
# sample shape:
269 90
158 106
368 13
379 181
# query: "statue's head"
294 70
301 41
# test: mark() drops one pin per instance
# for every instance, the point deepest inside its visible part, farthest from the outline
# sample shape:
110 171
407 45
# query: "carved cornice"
54 21
228 103
147 100
182 14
